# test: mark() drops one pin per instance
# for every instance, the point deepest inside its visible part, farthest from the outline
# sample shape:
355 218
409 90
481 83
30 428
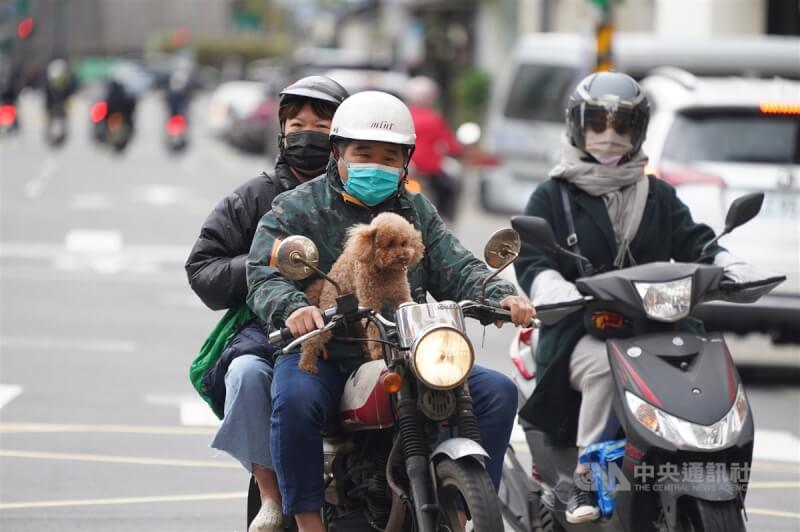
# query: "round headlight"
442 358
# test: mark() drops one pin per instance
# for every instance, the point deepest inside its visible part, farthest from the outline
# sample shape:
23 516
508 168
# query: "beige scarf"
624 190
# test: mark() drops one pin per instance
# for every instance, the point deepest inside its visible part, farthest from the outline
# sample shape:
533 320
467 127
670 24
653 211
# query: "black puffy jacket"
215 266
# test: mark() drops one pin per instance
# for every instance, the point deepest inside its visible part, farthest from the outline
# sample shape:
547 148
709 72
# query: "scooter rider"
59 86
238 384
373 139
602 205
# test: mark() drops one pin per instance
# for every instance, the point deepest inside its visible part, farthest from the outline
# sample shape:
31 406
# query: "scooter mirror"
297 257
742 210
535 231
502 248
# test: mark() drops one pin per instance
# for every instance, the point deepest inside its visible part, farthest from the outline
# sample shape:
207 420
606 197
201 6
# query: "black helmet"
608 99
315 87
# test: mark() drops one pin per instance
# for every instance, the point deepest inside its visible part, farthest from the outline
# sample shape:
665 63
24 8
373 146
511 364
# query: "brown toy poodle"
374 266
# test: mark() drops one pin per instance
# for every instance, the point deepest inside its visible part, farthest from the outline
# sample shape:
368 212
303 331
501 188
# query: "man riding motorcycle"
602 205
373 138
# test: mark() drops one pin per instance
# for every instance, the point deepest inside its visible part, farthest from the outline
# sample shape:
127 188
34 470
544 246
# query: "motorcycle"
176 133
678 400
407 452
8 118
56 128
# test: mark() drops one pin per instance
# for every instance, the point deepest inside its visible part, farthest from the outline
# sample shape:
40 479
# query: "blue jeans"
244 432
304 404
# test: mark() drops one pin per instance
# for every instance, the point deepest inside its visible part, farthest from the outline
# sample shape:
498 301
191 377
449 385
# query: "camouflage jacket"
322 211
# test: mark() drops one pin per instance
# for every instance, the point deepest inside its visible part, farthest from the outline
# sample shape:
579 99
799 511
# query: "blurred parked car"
526 113
245 114
233 100
716 139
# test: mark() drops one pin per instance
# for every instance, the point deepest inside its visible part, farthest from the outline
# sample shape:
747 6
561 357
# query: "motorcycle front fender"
456 448
726 489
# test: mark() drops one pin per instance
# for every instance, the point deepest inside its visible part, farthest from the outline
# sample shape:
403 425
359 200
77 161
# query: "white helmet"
374 115
422 91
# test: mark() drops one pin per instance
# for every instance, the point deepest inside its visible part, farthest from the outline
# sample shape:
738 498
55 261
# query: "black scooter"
678 398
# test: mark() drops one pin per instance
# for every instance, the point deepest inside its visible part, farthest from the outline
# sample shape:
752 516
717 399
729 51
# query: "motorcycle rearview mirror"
500 251
297 257
537 232
742 210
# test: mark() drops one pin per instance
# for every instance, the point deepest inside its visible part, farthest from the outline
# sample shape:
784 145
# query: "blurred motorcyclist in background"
59 85
11 83
179 92
435 141
121 101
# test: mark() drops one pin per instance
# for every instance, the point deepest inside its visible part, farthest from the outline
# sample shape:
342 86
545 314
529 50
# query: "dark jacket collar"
283 178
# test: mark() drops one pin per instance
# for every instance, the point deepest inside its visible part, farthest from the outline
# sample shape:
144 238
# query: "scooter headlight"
666 301
442 358
688 435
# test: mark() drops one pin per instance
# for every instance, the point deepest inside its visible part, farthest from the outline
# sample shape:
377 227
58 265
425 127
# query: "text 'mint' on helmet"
608 99
374 116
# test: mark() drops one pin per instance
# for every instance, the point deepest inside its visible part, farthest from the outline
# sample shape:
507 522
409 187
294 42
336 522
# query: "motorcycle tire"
467 480
711 516
547 520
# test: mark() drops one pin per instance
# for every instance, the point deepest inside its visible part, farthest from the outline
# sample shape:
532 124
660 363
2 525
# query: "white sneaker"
268 519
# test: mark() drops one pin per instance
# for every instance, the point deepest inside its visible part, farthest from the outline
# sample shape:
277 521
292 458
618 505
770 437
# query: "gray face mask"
608 147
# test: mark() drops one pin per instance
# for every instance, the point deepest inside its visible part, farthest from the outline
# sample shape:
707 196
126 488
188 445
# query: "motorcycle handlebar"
285 334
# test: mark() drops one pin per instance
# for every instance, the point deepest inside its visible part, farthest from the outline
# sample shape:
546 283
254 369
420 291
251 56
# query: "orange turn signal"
391 382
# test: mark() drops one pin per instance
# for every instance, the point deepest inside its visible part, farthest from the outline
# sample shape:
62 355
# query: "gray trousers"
244 432
590 374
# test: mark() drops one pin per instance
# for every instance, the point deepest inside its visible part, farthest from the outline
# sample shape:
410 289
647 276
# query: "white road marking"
776 446
116 459
101 252
18 427
35 187
160 195
93 241
8 392
125 500
60 344
193 411
90 202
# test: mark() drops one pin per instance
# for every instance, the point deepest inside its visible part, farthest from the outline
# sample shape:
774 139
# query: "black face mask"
307 151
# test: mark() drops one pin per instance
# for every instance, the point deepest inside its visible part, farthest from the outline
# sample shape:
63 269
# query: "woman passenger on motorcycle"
373 137
621 217
216 271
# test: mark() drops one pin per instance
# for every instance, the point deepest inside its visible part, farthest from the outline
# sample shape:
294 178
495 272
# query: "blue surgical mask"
372 183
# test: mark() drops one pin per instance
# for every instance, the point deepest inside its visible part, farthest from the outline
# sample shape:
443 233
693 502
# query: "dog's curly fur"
374 266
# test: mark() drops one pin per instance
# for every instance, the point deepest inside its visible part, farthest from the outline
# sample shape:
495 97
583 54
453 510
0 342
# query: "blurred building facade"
117 27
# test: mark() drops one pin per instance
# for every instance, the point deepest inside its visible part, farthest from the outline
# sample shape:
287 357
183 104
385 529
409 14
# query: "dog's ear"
362 238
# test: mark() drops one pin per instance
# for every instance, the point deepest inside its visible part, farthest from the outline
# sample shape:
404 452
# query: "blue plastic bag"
599 456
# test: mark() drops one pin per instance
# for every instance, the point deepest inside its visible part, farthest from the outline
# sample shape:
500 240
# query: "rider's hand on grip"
522 312
304 320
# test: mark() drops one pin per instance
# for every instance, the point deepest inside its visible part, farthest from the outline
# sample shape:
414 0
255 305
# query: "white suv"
716 139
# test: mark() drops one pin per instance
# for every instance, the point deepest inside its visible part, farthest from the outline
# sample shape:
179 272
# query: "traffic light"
25 28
